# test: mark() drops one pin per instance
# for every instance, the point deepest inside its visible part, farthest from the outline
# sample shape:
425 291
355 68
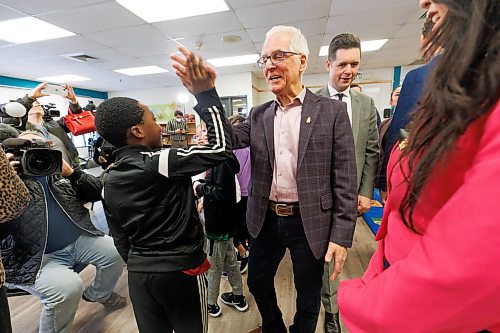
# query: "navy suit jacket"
411 91
326 170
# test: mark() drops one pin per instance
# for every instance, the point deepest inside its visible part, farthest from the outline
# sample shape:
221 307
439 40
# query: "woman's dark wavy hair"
462 87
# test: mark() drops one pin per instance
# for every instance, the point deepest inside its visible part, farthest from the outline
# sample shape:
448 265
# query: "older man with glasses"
302 194
303 187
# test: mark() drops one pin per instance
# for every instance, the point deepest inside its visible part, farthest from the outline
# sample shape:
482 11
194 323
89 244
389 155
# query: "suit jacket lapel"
308 118
269 131
323 92
356 109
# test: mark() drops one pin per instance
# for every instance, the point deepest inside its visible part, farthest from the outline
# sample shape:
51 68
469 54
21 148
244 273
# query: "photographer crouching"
41 247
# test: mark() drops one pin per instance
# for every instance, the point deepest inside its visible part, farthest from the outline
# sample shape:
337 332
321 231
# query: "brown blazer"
326 170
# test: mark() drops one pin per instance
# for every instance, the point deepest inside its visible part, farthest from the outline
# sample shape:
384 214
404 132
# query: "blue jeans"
267 251
60 288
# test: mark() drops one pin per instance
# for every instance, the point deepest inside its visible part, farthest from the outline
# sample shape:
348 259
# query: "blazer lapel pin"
308 120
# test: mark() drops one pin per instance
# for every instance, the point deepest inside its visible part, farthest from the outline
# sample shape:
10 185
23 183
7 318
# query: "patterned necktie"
340 96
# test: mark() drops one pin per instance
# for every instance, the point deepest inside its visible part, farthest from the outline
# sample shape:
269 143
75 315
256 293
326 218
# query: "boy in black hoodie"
218 190
150 206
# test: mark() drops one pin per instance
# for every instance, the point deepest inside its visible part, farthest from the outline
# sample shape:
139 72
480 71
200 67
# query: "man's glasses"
276 57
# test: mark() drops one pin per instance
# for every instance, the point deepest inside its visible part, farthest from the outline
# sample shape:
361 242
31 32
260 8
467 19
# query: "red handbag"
81 123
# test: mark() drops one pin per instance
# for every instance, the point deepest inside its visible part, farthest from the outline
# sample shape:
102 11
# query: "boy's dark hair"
343 41
178 113
115 116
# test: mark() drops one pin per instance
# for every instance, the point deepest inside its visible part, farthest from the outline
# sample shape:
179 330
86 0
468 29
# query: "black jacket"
23 240
219 199
149 200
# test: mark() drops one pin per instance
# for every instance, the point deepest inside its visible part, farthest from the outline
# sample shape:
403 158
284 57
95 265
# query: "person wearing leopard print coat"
14 198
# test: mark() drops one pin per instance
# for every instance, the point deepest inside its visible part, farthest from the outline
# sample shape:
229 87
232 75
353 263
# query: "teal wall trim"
397 77
22 83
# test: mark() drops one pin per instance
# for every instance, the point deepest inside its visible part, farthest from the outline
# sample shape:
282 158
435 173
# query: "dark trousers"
242 235
164 302
4 313
278 234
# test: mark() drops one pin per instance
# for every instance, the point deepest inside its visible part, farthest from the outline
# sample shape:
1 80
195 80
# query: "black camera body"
49 112
36 157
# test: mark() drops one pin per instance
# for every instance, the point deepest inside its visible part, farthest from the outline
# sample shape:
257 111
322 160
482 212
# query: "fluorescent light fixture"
63 78
366 46
160 10
134 71
233 61
182 98
30 29
372 45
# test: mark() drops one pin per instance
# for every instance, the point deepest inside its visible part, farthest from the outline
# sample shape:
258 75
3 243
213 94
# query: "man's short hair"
298 42
427 28
178 113
7 132
343 41
115 116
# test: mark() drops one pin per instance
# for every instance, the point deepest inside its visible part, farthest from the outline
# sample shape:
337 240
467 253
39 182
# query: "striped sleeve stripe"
219 136
163 162
202 290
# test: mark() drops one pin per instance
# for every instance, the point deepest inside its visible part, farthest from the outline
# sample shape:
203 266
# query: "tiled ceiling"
119 39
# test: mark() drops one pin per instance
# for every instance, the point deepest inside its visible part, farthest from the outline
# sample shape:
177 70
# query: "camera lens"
42 162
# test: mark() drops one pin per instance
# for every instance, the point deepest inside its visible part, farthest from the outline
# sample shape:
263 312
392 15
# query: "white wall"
227 85
8 93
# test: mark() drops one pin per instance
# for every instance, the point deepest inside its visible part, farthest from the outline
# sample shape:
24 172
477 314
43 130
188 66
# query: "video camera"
49 111
36 157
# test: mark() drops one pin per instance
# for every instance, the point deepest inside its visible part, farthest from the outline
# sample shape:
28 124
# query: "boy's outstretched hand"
196 75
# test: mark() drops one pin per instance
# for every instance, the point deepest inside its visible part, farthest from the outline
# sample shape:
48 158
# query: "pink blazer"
446 279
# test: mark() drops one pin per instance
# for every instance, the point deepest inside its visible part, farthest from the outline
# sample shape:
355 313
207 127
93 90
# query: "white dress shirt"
346 98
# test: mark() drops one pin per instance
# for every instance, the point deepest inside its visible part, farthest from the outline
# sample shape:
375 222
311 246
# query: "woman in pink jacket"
437 266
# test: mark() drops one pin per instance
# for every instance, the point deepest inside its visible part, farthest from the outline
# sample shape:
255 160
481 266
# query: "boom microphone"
12 110
16 143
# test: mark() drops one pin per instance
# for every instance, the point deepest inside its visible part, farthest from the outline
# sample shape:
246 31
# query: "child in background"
218 190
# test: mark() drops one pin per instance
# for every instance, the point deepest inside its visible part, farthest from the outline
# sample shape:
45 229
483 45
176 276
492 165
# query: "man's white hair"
298 42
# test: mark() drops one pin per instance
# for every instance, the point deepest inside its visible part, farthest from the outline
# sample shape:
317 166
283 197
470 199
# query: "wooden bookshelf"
167 140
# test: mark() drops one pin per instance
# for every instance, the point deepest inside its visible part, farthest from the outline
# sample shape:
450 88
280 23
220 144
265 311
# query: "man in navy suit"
413 86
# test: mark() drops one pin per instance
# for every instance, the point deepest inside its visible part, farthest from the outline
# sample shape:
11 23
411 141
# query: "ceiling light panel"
145 70
63 78
234 61
30 29
366 46
160 10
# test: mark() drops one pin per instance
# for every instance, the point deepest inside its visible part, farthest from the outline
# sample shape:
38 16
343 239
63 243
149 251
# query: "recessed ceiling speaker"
231 38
